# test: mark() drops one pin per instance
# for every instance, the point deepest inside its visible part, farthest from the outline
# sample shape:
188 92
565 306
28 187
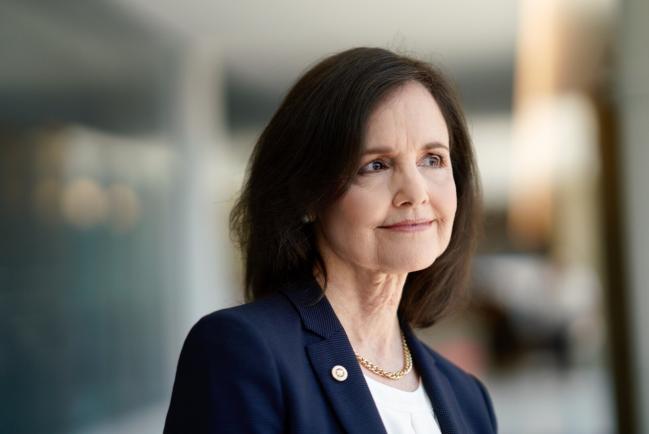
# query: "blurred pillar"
560 52
633 96
530 210
562 169
199 129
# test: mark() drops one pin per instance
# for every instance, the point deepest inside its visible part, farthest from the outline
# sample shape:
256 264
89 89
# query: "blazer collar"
437 386
315 311
352 399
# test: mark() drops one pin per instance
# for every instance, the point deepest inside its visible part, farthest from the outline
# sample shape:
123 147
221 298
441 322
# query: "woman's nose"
410 188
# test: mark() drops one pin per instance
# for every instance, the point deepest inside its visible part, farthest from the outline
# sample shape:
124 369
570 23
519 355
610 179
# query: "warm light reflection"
84 203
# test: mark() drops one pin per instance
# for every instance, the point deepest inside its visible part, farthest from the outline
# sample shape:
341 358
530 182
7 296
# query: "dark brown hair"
309 153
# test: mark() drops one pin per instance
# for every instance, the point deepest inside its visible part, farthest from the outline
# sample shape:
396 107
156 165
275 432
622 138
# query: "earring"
306 218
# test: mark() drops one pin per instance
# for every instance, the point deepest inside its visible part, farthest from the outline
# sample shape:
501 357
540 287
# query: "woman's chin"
409 264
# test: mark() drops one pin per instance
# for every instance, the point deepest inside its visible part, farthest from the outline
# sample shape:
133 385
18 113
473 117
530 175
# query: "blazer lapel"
440 392
351 398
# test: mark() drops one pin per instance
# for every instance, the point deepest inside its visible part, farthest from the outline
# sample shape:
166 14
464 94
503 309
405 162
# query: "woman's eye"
433 160
373 166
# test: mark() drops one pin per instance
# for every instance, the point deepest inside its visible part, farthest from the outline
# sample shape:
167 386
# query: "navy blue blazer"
265 367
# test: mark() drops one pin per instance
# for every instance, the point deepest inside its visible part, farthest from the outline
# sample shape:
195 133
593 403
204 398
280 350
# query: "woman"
357 220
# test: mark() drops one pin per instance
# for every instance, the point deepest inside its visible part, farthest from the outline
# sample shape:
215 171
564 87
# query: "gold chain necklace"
392 375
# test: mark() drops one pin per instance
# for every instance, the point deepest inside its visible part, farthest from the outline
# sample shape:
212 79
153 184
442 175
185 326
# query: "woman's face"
397 215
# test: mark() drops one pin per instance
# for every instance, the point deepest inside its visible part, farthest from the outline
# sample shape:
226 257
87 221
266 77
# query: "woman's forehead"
409 115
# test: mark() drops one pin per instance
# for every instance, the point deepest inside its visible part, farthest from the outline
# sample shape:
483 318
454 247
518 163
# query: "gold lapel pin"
339 373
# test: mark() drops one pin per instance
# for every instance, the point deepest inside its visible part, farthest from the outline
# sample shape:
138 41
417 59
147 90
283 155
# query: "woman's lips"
409 226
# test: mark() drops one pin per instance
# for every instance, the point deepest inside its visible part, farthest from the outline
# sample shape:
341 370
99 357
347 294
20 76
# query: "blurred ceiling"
77 61
73 43
266 45
271 42
112 63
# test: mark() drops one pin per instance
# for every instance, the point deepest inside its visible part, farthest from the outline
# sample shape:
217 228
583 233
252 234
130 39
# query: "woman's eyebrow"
389 150
434 145
378 150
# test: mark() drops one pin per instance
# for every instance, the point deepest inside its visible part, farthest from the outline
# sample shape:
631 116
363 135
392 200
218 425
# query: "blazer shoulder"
268 318
218 381
448 367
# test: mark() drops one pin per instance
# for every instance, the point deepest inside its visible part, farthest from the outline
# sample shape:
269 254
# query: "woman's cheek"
358 205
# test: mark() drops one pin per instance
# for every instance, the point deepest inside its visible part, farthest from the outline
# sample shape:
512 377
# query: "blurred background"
125 127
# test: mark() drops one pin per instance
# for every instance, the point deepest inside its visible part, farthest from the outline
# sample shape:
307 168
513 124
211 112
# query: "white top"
404 412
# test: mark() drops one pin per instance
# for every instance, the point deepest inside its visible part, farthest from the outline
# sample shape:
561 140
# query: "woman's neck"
366 303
